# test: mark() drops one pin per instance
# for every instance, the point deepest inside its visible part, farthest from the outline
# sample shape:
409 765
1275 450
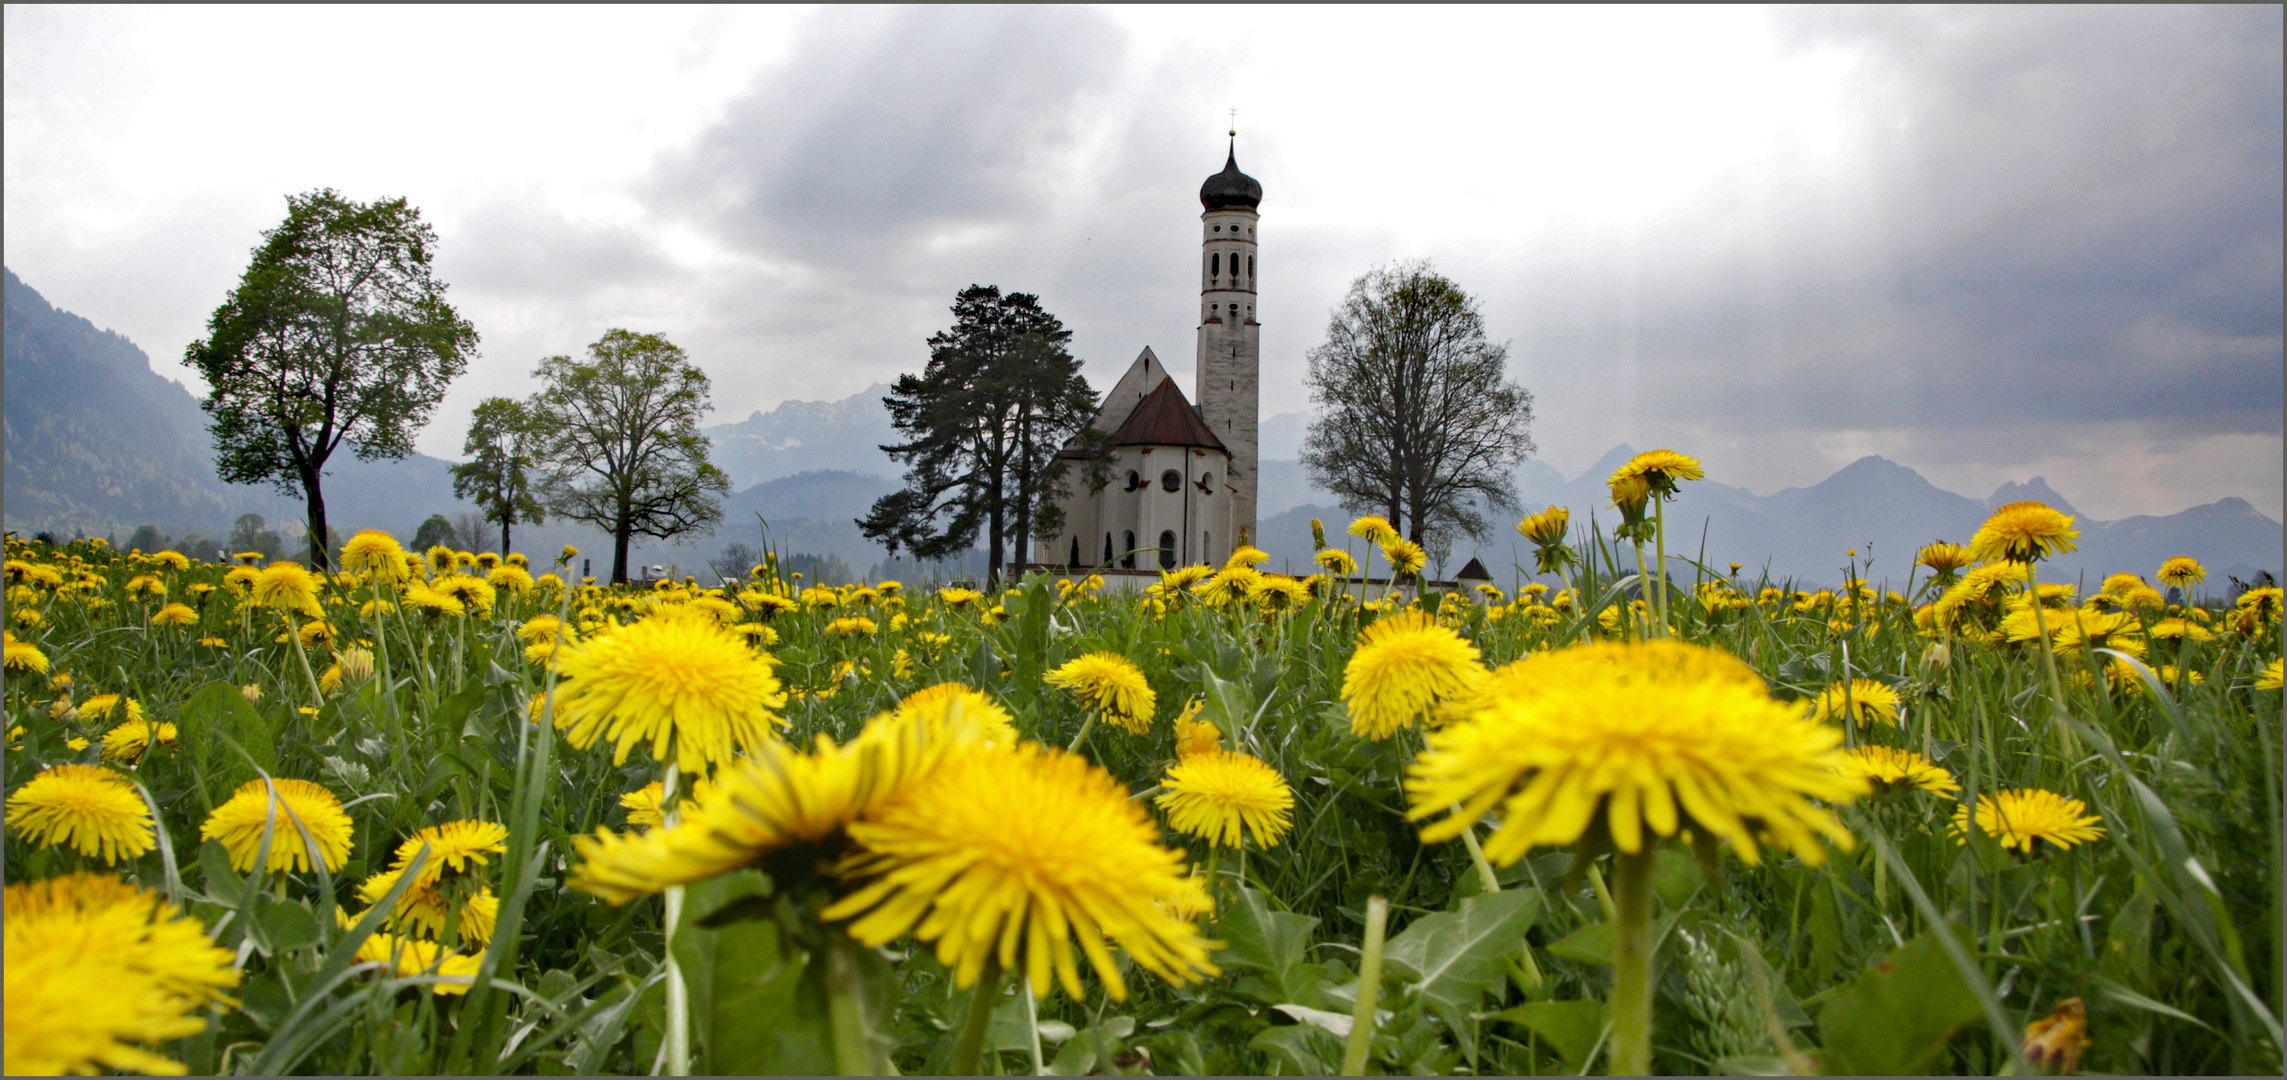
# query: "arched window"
1107 548
1171 481
1127 561
1215 264
1134 482
1207 482
1074 560
1167 551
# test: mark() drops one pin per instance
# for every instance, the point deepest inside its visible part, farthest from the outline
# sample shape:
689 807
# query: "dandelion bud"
356 664
1938 657
2054 1043
1317 535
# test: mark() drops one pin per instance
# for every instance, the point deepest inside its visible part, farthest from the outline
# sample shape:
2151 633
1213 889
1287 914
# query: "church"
1183 470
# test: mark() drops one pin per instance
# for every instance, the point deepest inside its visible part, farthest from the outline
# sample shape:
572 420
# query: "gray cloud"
2066 215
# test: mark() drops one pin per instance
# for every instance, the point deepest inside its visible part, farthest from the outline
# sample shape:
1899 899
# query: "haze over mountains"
98 443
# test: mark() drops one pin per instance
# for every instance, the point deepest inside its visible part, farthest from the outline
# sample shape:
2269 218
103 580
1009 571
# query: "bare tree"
1416 417
469 529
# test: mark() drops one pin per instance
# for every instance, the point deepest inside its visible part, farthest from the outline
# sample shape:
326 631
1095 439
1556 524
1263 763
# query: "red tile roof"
1164 418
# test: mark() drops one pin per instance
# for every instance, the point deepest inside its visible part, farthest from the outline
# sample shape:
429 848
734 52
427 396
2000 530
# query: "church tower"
1230 340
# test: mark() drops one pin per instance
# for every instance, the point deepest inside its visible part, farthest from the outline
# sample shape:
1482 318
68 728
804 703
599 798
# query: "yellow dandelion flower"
88 808
473 593
238 825
1194 736
937 705
409 957
285 586
1546 528
1405 556
644 810
1659 471
440 559
1009 854
768 802
1211 795
2024 532
2268 678
459 846
690 688
2022 817
377 555
854 626
1403 666
959 597
1110 684
1336 561
539 628
127 743
2053 1044
1247 555
511 579
425 909
2183 572
1868 702
1660 736
2176 626
1943 559
99 707
98 969
23 656
175 615
1888 768
1374 529
172 560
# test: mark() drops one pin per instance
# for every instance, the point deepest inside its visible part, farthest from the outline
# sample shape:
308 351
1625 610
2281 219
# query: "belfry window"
1215 264
1127 561
1171 481
1167 550
1250 266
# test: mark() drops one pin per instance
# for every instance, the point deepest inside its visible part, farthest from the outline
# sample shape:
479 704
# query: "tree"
337 334
469 530
435 532
497 476
249 534
1416 419
620 447
984 422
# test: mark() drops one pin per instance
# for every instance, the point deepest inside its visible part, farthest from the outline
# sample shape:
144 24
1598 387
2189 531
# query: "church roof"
1164 418
1231 189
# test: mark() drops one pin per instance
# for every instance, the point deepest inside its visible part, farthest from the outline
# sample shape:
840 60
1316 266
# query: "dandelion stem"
1369 989
678 1003
1485 875
1082 739
1632 964
970 1050
1032 1025
1660 548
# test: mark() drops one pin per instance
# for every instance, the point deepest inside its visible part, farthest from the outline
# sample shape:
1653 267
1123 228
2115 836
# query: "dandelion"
1890 769
853 626
375 554
127 743
1374 529
694 690
1864 700
2024 532
1194 736
473 593
1337 562
938 705
411 958
2183 572
99 969
426 910
285 586
300 805
2022 817
1943 559
1276 593
1609 741
458 846
100 706
1002 856
2268 678
774 803
511 579
2054 1042
1403 666
1211 795
1658 470
93 810
172 560
1405 556
25 657
177 614
1111 685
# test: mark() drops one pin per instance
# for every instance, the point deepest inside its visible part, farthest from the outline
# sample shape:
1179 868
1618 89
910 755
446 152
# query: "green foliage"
619 441
338 333
502 446
1896 1018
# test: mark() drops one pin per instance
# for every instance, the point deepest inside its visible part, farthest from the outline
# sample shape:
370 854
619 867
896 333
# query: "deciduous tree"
338 333
498 476
1416 417
619 442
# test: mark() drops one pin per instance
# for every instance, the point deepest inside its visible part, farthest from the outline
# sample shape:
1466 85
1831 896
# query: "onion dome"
1231 189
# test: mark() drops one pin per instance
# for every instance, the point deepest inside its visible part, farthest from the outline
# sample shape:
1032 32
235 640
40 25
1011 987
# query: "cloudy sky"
1986 243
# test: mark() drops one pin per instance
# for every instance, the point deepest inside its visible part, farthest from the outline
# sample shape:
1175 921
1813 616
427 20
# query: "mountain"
2035 490
807 436
97 442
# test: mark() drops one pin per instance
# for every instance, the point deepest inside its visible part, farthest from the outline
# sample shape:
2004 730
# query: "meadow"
439 812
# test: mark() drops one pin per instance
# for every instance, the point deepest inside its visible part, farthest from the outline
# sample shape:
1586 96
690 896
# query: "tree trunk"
621 531
994 535
504 519
317 523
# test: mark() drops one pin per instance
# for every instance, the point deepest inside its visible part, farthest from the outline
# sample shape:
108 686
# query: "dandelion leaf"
1568 1027
1897 1018
1272 943
1456 957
